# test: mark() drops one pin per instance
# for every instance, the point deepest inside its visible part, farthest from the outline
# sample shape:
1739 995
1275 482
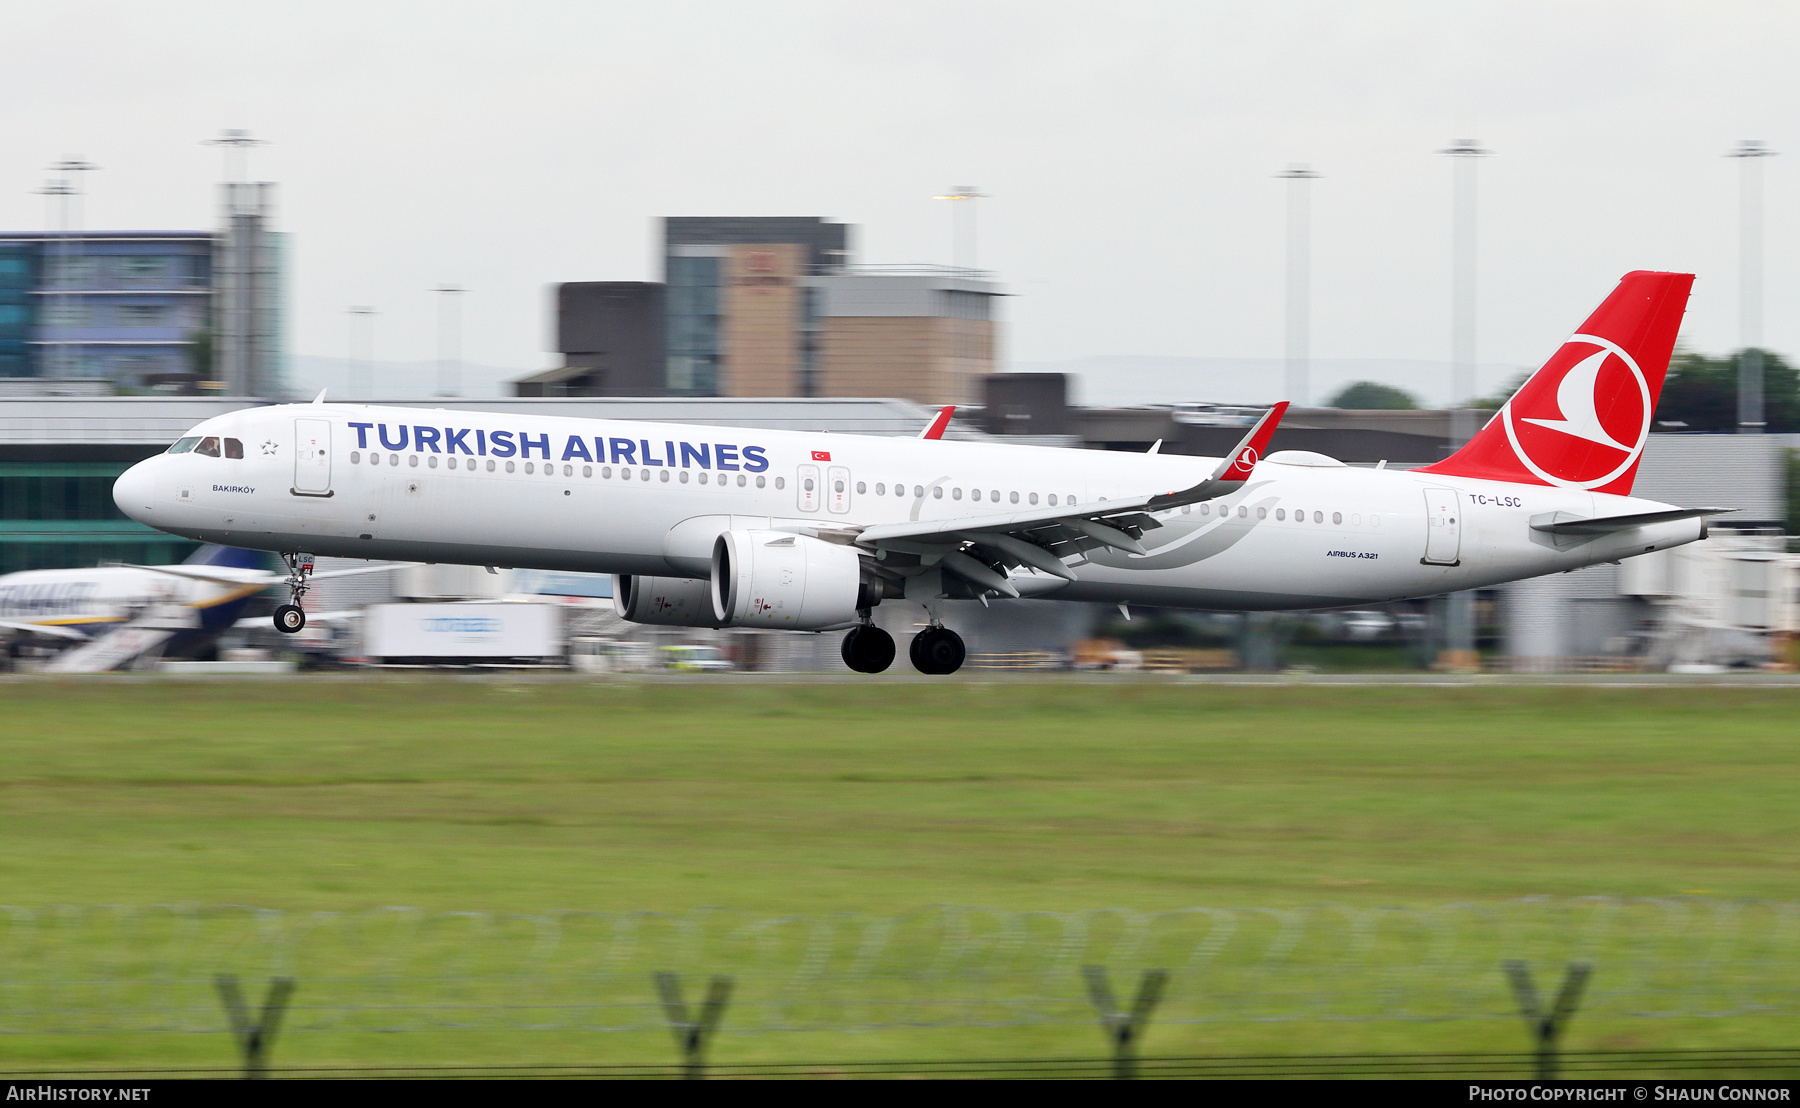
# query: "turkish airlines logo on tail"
1583 419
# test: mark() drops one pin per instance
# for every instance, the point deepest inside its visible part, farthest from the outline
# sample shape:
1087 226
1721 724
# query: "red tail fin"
1582 420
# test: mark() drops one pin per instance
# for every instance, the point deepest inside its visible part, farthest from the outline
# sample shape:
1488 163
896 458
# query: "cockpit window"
182 446
234 448
209 446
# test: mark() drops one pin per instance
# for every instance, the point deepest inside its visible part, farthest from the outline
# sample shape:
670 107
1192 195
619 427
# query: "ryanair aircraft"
705 527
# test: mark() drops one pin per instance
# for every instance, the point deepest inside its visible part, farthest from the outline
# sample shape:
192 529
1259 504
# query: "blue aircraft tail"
228 557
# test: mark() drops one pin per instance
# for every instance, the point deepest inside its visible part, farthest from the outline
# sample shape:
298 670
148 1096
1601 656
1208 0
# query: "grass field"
880 798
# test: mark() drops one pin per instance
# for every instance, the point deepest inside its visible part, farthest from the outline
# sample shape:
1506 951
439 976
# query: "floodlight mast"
67 190
1750 153
236 145
1299 283
1459 607
962 225
366 384
449 339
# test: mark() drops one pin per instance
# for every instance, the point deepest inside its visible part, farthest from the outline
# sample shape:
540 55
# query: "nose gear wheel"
290 617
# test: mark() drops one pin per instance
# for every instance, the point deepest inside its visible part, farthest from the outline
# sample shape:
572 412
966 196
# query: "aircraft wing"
44 629
1043 537
267 579
311 618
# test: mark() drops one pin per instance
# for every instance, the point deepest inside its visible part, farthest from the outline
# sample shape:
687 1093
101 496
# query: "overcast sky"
1129 150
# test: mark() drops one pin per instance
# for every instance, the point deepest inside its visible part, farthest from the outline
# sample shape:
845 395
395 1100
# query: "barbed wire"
118 969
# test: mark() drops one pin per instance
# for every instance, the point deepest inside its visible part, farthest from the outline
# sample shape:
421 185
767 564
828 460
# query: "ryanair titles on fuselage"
508 444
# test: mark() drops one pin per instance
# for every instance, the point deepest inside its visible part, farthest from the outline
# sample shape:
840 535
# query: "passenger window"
1242 511
1337 518
937 492
684 476
1281 513
528 467
1014 498
974 494
606 472
182 446
412 460
1033 498
956 494
490 465
880 488
355 456
994 495
1356 520
432 461
568 471
509 467
1262 513
665 476
837 486
919 492
234 448
586 471
1318 517
624 474
1053 501
209 446
780 482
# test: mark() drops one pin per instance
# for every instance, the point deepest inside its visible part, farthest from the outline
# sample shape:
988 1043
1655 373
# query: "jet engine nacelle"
786 582
669 601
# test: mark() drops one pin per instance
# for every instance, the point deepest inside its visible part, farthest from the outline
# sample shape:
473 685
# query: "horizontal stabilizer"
1555 524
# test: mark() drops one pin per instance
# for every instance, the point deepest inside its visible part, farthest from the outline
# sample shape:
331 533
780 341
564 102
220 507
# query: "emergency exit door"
312 457
1443 527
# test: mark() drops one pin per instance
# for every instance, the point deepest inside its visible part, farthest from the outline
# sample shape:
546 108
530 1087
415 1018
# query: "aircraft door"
807 488
1443 528
312 457
837 488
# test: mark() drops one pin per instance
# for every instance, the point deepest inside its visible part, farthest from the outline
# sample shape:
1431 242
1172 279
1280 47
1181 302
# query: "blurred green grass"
521 795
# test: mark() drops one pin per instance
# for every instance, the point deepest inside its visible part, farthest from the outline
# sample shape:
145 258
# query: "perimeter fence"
157 969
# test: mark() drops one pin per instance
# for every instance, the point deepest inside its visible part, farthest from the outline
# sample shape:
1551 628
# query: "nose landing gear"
937 650
290 617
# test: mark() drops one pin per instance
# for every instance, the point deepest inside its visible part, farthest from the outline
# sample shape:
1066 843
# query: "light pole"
449 339
1750 154
962 224
367 315
236 145
68 190
1459 607
1299 282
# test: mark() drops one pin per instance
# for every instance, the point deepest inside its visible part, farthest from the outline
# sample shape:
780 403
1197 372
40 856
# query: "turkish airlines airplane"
711 527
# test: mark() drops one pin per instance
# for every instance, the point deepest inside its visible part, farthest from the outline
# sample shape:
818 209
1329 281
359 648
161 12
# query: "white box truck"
453 633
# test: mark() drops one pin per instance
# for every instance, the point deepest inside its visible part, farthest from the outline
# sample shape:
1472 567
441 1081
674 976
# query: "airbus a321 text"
712 527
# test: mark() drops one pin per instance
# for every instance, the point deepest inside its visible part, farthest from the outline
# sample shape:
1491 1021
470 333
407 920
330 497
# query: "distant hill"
1123 380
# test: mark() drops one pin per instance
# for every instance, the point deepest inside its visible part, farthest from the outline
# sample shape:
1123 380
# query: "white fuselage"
624 497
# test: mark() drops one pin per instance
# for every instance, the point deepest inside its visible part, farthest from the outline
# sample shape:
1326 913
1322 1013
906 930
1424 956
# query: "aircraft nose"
135 492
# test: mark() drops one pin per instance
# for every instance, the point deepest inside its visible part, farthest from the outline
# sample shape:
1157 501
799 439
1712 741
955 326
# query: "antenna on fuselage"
319 399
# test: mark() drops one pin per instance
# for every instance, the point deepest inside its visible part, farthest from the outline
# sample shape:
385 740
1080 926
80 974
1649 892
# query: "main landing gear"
290 617
868 649
937 650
